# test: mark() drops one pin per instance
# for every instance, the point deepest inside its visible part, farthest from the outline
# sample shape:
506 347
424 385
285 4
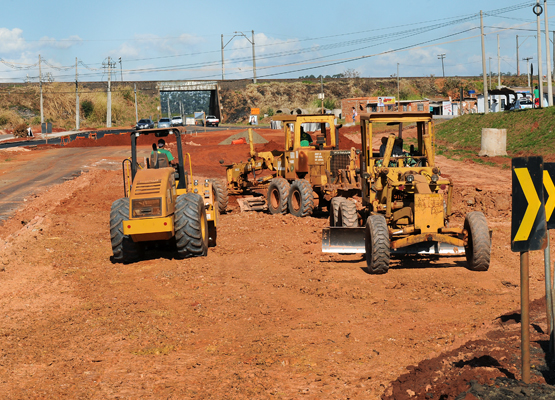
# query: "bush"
87 107
20 131
3 120
270 112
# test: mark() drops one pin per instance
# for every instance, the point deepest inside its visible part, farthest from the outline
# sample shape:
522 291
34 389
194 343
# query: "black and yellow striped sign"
528 224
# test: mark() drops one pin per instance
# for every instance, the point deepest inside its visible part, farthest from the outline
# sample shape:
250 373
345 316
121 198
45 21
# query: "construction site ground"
264 315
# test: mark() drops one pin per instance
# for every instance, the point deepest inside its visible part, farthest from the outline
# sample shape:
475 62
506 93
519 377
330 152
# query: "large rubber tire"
301 198
478 249
219 191
335 203
347 216
377 244
191 226
123 247
278 193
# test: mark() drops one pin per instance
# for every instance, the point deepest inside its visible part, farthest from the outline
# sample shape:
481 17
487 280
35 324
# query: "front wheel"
278 193
219 190
301 199
123 247
347 216
478 248
377 244
335 204
191 226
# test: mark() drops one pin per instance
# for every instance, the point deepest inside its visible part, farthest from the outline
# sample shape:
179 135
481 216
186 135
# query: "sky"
182 40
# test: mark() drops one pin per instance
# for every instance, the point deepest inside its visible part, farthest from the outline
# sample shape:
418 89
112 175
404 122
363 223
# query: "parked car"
522 103
211 120
145 123
164 123
177 121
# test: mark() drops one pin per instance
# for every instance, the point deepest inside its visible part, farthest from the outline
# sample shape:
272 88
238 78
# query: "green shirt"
536 93
167 153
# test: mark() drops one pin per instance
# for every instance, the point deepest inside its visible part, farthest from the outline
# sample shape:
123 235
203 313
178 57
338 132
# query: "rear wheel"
478 249
377 244
334 210
124 248
191 226
301 198
347 216
219 190
278 193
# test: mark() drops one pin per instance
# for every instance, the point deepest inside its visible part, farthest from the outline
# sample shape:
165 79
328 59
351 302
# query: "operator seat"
158 160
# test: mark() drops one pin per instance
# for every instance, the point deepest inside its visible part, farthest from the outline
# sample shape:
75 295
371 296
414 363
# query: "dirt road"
264 315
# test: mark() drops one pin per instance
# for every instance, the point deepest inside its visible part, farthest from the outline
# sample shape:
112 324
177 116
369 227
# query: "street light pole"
398 96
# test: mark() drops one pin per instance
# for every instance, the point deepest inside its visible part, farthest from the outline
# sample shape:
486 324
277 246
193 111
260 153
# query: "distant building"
380 104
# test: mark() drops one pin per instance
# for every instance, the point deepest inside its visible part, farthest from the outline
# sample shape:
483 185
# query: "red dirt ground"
265 315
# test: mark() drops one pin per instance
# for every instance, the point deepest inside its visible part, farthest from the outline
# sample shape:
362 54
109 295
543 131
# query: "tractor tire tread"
123 247
378 251
219 188
283 187
348 216
189 215
306 198
335 203
478 250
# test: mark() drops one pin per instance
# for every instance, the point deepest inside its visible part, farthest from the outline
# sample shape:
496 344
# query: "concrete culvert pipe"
299 111
283 111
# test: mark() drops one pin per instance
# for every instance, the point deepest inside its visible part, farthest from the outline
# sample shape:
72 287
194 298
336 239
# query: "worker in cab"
161 150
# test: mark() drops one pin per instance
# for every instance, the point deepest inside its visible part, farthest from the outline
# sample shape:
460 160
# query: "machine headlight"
146 208
409 178
435 178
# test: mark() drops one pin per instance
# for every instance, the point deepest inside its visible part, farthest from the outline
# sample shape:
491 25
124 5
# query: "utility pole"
223 57
517 59
121 68
548 58
484 75
538 11
136 111
398 96
169 111
322 91
528 68
76 97
498 63
254 59
441 57
490 73
109 102
41 103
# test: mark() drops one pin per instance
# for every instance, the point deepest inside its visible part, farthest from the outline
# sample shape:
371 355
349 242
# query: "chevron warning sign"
528 224
549 193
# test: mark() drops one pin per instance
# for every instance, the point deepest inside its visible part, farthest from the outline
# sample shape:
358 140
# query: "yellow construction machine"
162 203
307 173
405 203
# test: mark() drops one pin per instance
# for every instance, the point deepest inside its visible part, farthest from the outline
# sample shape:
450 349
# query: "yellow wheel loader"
406 203
162 203
307 173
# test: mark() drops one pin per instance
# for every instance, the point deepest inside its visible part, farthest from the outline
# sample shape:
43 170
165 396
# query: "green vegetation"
529 132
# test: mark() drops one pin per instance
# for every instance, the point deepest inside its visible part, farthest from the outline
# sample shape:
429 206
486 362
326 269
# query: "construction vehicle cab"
162 203
406 203
307 173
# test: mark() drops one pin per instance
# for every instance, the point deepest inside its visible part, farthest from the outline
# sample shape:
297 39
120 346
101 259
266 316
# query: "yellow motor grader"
162 203
406 203
308 172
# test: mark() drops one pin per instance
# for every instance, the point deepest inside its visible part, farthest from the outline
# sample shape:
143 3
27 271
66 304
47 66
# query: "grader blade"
252 204
343 240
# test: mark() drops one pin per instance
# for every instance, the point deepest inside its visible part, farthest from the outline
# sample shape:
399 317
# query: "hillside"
19 103
529 132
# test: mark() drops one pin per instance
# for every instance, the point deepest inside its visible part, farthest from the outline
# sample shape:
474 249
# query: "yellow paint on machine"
534 204
550 188
148 225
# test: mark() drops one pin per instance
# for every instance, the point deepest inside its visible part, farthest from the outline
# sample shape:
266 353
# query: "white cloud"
12 41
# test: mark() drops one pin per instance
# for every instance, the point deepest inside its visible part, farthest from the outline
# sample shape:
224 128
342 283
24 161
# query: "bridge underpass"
187 97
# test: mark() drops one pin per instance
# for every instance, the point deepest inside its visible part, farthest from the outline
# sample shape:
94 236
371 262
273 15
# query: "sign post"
549 199
528 233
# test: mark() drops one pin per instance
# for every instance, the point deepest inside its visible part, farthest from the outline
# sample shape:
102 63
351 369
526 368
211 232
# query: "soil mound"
256 138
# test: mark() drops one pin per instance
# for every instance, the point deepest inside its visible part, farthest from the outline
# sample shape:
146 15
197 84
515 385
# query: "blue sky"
170 39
